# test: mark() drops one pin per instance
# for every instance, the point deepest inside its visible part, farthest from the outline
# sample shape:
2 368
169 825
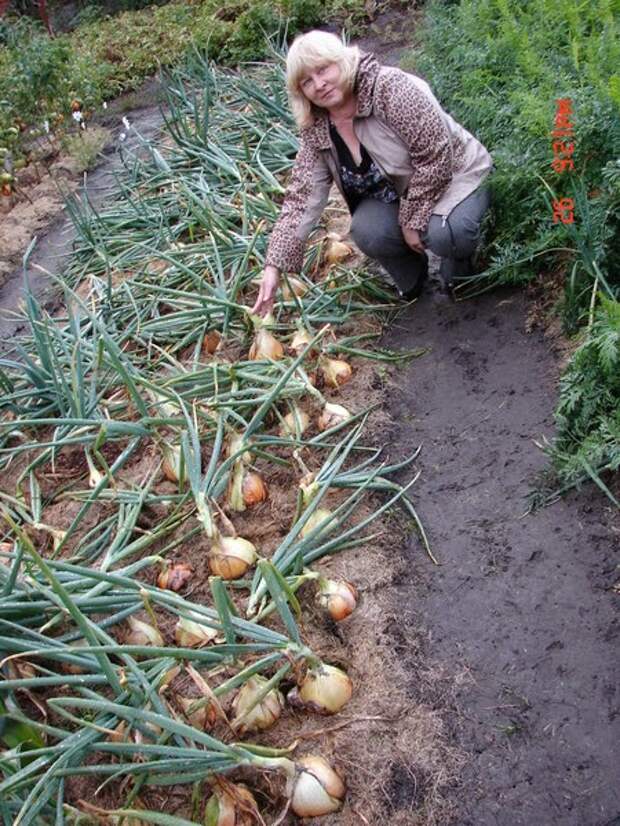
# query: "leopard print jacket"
411 118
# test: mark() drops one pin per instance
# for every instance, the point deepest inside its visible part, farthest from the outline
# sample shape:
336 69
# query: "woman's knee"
375 230
457 235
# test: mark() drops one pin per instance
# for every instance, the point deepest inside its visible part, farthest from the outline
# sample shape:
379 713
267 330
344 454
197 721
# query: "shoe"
452 269
415 291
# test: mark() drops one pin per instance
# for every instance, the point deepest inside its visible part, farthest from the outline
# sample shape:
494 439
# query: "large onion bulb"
252 714
231 556
201 716
300 341
318 788
172 466
141 633
265 346
336 250
338 597
325 689
335 371
191 634
296 421
231 805
175 577
322 517
297 288
332 415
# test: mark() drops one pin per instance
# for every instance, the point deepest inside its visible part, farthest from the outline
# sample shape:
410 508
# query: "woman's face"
322 85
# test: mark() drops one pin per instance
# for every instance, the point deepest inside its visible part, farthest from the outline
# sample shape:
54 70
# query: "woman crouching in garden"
410 174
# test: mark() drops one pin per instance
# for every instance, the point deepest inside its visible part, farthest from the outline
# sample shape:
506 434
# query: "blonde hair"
307 52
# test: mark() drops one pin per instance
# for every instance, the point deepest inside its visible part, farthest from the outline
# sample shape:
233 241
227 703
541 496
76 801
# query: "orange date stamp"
563 150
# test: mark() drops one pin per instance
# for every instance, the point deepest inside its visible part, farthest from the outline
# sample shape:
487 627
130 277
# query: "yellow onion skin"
335 372
231 809
332 415
211 342
202 718
337 251
318 789
297 288
175 577
300 341
192 634
265 346
254 489
264 715
338 597
230 557
321 516
171 464
292 422
325 690
141 633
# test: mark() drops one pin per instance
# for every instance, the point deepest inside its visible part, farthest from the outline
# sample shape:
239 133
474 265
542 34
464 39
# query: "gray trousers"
376 231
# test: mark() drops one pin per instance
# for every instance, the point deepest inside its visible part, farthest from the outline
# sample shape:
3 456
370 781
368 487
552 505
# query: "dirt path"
521 607
54 244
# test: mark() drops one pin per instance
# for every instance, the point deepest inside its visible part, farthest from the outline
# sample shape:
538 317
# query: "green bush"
587 444
499 68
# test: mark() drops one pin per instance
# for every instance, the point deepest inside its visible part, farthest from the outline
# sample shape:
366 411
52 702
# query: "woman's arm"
304 201
267 291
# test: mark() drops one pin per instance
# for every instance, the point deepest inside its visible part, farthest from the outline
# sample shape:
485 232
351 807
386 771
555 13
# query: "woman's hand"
267 292
412 237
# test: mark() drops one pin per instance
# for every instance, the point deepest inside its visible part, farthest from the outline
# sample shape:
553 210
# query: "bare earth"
521 607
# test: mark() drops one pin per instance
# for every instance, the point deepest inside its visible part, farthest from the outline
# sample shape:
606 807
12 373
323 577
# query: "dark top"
363 181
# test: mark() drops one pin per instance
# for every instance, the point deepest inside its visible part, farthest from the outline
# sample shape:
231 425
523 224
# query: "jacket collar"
318 134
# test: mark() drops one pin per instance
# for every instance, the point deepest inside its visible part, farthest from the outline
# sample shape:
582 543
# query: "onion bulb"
332 415
335 371
191 634
336 250
321 516
254 489
252 714
231 805
318 788
211 342
294 422
175 577
141 633
338 596
325 689
172 466
236 443
202 716
245 488
300 341
297 288
231 556
265 346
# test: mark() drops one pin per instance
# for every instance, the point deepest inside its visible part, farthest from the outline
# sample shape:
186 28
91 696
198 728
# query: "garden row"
172 470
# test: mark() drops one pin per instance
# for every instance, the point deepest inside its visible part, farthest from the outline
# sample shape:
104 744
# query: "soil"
498 663
523 604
